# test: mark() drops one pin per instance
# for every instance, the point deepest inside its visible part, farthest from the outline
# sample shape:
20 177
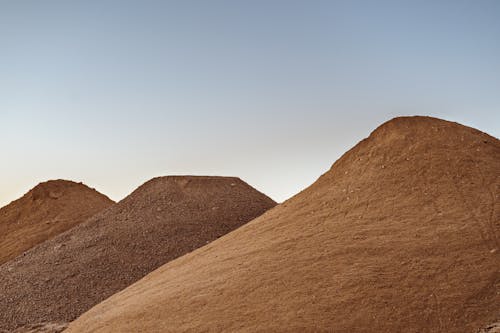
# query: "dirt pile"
45 211
401 235
160 221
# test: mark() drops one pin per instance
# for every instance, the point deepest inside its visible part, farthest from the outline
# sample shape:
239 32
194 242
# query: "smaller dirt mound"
160 221
45 211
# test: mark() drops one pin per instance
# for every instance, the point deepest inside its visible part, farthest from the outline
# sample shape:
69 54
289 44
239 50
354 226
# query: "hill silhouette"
160 221
401 235
45 211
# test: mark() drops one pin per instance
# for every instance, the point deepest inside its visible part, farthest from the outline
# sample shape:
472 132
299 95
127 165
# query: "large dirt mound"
161 220
45 211
401 235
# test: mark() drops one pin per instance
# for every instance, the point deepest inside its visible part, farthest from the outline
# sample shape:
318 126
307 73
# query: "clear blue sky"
113 93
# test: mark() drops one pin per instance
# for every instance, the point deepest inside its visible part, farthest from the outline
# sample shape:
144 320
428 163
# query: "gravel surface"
160 221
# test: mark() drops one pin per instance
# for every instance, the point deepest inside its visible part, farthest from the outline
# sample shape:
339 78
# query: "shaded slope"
161 220
401 235
45 211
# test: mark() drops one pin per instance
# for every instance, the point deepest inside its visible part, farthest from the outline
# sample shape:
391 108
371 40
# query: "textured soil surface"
40 328
160 221
401 235
492 328
45 211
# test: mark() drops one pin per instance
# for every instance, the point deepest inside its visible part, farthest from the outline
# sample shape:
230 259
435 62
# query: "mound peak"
401 235
196 177
46 210
184 181
408 125
54 189
161 220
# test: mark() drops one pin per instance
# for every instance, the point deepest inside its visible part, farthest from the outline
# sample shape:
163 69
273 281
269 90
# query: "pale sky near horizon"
113 93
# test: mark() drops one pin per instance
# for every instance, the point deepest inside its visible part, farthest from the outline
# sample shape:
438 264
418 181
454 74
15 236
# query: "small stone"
55 195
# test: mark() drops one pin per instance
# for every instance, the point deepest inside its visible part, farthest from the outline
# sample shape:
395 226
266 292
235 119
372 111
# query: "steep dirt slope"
401 235
45 211
161 220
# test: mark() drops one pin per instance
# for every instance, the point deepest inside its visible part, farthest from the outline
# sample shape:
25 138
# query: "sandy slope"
401 235
160 221
40 328
45 211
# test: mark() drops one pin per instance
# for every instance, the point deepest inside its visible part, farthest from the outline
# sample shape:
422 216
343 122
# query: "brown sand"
162 220
492 328
40 328
401 235
45 211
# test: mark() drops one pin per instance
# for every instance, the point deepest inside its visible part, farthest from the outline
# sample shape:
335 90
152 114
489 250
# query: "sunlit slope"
401 235
44 212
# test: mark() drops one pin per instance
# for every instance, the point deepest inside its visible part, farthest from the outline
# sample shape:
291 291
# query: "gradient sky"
113 93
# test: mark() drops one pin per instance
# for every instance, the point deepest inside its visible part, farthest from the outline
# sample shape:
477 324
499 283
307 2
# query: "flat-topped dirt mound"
45 211
160 221
401 235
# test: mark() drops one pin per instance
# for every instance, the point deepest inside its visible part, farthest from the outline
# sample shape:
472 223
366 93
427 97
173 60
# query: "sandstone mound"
401 235
161 220
45 211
